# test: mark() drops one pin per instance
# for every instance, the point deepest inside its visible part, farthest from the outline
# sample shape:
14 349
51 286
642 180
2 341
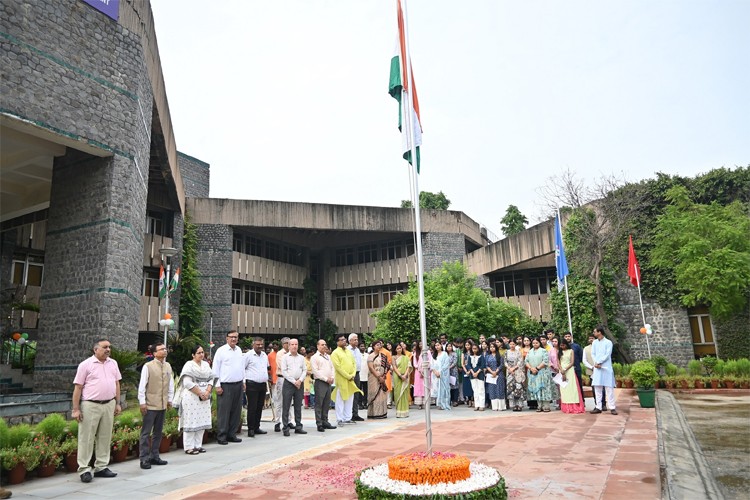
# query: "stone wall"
438 248
215 274
196 176
671 338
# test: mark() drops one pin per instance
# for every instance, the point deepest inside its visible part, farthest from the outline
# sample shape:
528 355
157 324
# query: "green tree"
707 248
428 200
191 299
513 222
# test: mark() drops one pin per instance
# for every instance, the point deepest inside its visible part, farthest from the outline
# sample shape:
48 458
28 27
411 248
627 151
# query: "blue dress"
495 391
442 366
468 391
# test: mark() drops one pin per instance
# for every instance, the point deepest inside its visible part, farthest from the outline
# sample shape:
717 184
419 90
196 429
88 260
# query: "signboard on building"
111 8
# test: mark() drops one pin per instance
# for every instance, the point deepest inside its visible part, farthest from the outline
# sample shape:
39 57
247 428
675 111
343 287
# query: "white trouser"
192 440
277 398
609 391
498 404
343 407
478 387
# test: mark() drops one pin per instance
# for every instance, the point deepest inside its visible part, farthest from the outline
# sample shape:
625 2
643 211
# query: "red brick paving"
550 455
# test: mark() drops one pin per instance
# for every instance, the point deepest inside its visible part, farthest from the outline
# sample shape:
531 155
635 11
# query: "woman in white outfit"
196 381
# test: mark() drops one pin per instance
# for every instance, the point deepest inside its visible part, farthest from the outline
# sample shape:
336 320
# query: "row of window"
512 284
27 270
260 296
251 245
373 253
366 298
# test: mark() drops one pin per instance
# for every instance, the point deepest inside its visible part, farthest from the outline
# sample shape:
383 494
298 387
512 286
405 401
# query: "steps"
14 381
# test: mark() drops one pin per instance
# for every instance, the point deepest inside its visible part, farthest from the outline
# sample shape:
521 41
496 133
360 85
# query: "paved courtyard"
550 455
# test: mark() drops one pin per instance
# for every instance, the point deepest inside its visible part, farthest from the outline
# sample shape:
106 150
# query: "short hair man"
256 379
322 369
588 362
293 372
277 396
96 400
354 347
604 377
345 368
155 393
229 370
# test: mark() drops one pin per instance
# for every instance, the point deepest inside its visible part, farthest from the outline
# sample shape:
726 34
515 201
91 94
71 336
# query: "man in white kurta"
604 376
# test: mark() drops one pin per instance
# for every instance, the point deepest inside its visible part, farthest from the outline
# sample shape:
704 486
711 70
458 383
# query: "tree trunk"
622 354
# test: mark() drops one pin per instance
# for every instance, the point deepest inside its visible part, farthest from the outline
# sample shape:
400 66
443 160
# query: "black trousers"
229 410
357 397
363 396
292 395
322 402
256 396
152 420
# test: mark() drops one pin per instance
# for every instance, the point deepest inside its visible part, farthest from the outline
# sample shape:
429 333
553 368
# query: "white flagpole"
567 297
643 314
409 116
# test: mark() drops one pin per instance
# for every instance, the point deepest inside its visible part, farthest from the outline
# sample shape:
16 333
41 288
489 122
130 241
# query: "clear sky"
288 99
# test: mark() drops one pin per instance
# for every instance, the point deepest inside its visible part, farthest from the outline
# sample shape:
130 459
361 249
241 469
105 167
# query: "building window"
702 331
289 300
237 294
254 246
253 295
28 270
509 285
345 300
150 284
391 291
367 253
344 257
272 298
238 243
392 250
541 281
369 298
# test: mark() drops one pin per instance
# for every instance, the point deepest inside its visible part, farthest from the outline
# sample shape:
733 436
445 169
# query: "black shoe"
277 428
290 425
328 426
321 428
234 439
595 410
260 431
86 477
614 412
358 419
105 473
251 433
158 461
286 432
300 431
145 464
221 441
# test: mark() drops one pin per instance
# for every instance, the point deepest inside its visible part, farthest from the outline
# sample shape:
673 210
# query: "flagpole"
418 225
567 296
643 314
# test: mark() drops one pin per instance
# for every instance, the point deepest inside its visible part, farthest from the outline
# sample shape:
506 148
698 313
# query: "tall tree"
513 222
428 200
707 248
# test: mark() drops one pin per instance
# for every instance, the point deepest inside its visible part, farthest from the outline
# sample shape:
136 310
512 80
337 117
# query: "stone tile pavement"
550 455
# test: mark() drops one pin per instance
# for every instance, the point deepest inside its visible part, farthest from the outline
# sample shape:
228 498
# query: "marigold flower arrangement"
431 468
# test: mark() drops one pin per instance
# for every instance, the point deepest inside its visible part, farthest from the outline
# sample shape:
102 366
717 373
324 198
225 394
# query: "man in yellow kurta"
345 368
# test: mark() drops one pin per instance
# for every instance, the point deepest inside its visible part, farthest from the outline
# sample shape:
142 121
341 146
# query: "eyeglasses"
163 349
235 337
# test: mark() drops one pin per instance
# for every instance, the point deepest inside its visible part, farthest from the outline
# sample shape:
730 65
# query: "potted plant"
644 377
18 461
69 452
49 455
169 433
122 439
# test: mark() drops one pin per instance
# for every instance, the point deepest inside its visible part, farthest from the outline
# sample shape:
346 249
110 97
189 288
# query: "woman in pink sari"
570 396
416 359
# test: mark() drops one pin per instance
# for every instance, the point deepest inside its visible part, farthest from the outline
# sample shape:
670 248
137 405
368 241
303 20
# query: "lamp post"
166 254
488 291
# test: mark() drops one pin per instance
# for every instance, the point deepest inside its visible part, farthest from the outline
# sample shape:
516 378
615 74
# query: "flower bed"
484 483
419 468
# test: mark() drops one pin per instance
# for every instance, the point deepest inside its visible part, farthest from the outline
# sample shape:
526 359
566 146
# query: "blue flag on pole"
560 263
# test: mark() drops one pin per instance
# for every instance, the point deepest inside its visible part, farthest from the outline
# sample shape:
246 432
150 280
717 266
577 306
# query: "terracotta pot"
71 462
165 445
729 384
46 470
699 384
17 474
120 455
684 384
618 384
745 384
669 384
629 384
714 384
206 437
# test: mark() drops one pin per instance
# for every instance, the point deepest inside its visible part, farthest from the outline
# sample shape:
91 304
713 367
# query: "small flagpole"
418 227
567 296
643 314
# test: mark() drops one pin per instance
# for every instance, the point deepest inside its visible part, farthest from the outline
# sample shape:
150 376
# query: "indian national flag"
162 285
395 88
175 281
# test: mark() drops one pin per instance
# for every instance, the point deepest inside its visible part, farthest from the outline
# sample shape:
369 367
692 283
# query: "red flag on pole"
634 270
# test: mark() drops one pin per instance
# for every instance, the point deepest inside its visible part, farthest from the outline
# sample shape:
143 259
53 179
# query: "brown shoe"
595 410
614 412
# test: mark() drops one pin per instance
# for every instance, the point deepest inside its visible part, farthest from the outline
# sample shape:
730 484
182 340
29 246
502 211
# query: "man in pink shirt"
96 400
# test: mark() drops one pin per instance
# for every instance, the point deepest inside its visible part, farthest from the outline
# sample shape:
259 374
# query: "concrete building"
93 186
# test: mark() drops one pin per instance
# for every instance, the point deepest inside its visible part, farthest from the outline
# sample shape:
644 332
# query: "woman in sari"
525 348
377 364
516 376
453 372
468 391
570 396
540 380
416 359
495 378
401 371
554 366
441 370
196 381
388 351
